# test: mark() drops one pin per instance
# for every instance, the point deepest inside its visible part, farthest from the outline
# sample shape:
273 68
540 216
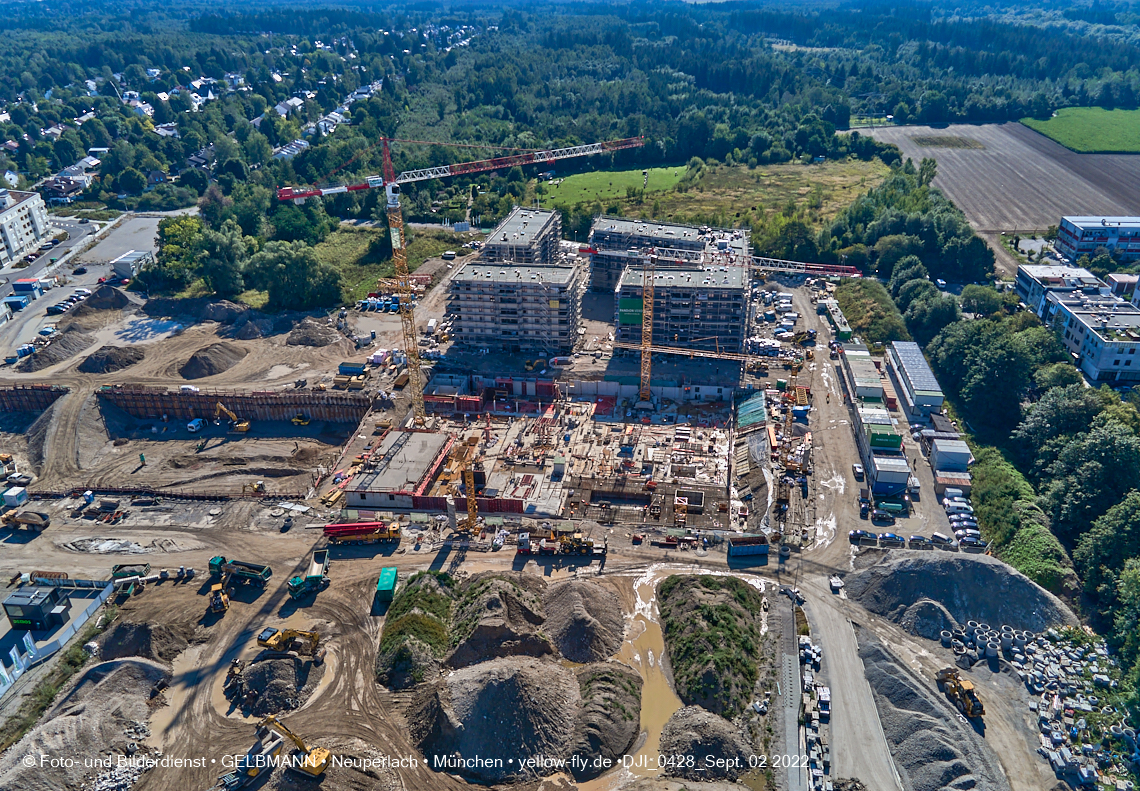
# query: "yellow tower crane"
648 275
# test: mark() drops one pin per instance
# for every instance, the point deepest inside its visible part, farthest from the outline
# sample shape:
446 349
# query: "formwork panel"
30 397
154 403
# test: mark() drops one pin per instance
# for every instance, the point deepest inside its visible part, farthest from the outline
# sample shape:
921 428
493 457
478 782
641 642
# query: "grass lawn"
346 250
607 184
1092 130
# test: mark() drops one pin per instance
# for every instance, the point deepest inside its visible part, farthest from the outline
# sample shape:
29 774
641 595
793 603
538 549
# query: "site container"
17 301
386 586
15 497
350 369
747 545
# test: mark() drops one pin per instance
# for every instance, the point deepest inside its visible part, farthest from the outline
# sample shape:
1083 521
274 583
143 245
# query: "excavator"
293 640
236 424
316 759
960 691
271 736
253 488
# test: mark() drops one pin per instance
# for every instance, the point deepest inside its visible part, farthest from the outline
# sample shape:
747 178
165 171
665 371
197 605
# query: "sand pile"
278 684
223 312
106 359
504 709
311 332
967 586
66 345
213 360
151 641
700 733
932 747
104 712
609 719
584 620
499 616
105 298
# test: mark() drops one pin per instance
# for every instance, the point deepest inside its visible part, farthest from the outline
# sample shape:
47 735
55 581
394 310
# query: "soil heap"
106 359
104 298
278 684
499 615
212 360
415 638
584 620
932 748
965 586
701 734
609 720
505 708
712 636
66 345
310 332
153 641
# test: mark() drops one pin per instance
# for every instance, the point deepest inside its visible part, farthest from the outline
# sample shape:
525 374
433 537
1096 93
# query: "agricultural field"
1006 177
1092 130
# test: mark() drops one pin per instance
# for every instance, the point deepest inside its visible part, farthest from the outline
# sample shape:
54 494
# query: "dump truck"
36 520
316 579
386 585
960 691
294 641
362 532
241 570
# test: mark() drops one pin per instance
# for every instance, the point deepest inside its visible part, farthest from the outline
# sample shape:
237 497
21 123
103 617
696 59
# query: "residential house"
167 130
288 106
203 159
12 178
290 150
62 189
154 178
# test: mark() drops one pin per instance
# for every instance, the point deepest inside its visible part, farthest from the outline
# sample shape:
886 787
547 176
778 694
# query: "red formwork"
487 505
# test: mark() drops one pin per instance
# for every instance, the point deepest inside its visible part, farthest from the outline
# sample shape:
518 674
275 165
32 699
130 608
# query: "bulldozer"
316 759
294 641
254 488
236 424
219 599
960 691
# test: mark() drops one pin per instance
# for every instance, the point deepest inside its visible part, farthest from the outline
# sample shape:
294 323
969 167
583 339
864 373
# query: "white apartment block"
23 224
1101 332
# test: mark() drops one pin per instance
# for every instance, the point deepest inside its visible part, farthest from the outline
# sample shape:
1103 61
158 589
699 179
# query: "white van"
195 425
959 508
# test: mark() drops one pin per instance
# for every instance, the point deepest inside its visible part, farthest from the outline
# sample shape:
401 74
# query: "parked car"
891 539
968 533
84 221
886 517
972 543
857 469
919 542
943 540
962 500
959 508
965 520
864 510
79 270
856 536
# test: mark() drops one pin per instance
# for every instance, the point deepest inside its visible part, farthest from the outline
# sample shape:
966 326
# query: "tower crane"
390 182
649 273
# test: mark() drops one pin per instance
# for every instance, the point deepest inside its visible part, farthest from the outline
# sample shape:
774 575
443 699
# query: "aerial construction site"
545 514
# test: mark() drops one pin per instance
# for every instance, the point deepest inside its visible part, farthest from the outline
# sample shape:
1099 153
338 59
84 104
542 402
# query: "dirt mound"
106 298
105 712
848 784
967 586
37 438
610 717
928 619
66 345
933 749
277 684
497 710
223 312
151 641
106 359
584 620
499 616
212 360
248 332
311 332
406 664
702 734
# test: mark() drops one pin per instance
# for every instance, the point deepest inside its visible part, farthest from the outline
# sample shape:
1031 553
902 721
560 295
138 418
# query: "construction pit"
157 688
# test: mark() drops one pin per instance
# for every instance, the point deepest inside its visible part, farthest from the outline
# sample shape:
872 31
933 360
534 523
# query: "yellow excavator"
316 758
295 640
236 423
254 488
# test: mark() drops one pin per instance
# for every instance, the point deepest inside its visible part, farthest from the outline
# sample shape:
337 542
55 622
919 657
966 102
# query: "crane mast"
649 272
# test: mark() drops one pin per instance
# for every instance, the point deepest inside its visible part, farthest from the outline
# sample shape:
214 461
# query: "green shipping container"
386 587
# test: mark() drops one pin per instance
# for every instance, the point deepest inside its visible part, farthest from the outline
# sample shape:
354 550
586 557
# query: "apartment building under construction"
693 308
615 242
525 236
516 308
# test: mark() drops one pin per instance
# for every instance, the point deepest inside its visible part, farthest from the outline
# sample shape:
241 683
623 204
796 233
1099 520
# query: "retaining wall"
29 398
153 403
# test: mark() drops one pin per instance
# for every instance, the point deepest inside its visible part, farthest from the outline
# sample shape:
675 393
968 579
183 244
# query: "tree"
925 318
890 249
195 179
1050 377
1112 539
214 207
293 276
131 181
980 300
907 269
927 170
915 291
1092 473
222 258
179 240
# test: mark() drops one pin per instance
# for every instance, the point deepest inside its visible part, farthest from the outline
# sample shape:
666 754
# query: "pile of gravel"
104 298
965 587
66 345
584 620
280 684
499 616
212 360
310 332
932 747
406 664
609 719
500 709
153 641
106 359
700 733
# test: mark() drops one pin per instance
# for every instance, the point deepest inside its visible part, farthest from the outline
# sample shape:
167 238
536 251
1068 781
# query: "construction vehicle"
253 488
240 570
315 580
236 668
960 691
236 424
391 184
316 759
386 584
362 533
36 520
301 419
293 641
219 598
258 759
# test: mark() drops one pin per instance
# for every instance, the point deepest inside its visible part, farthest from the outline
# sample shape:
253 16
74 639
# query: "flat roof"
1059 272
1089 220
28 597
915 368
890 464
405 458
950 446
644 228
486 272
133 255
521 226
730 277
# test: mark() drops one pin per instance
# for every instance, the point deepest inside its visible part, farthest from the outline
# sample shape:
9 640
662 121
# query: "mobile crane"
390 182
236 423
